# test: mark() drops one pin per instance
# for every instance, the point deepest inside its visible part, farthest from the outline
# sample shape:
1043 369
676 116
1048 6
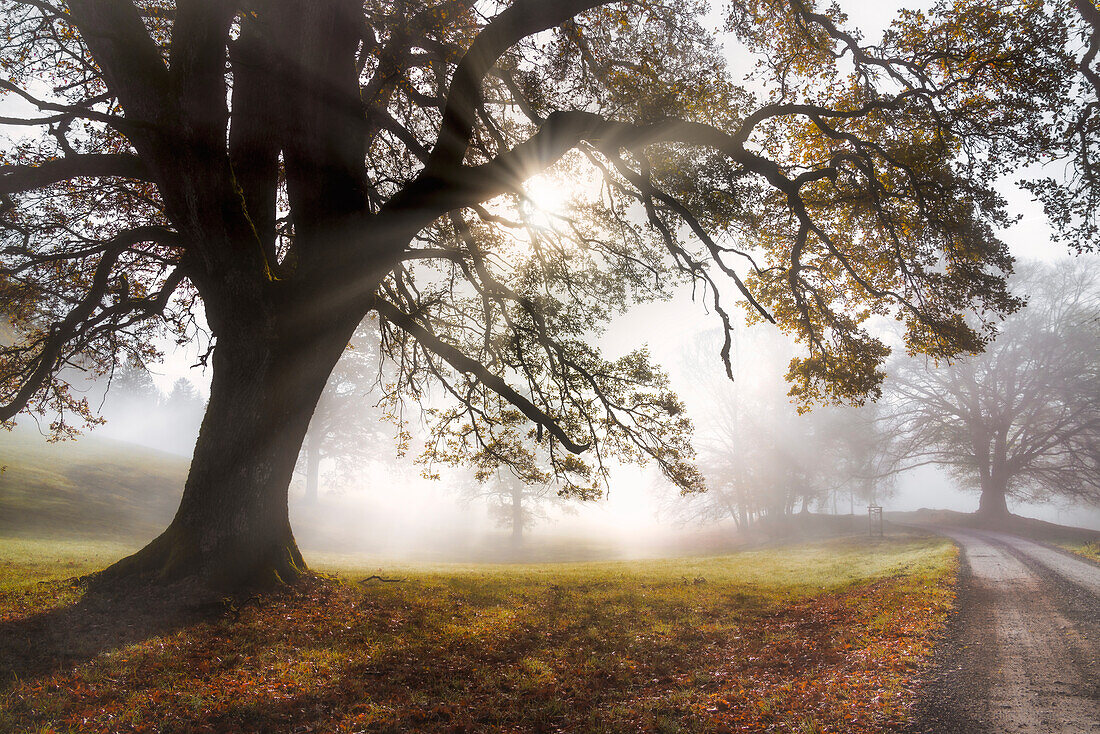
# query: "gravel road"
1024 652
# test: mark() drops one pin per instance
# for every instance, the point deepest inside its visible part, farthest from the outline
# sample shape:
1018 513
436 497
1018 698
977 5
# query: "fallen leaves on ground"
526 654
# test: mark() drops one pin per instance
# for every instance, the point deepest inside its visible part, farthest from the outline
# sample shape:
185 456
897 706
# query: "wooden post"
874 521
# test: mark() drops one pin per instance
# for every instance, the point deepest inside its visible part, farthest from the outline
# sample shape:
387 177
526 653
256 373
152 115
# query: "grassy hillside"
97 488
91 487
825 637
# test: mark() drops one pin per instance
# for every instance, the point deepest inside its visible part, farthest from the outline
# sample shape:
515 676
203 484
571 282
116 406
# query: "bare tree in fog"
859 446
1023 418
348 428
776 462
763 458
131 388
514 503
136 411
182 412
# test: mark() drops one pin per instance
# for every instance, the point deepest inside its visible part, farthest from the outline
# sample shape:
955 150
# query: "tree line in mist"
137 411
1020 420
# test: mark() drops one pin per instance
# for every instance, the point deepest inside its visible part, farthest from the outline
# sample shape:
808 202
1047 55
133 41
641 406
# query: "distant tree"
132 386
1023 418
135 409
855 454
348 428
760 455
291 167
131 405
184 395
182 413
514 503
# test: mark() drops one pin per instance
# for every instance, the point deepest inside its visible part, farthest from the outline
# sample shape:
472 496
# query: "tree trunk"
232 528
993 502
994 482
517 516
313 467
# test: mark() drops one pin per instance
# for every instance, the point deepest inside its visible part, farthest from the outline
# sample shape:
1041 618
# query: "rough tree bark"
232 527
277 341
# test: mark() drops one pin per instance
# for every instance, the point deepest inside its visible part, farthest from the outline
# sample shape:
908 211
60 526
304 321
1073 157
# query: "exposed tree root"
177 557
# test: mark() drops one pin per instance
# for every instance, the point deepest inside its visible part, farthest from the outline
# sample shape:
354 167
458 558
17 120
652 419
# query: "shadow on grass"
40 644
332 656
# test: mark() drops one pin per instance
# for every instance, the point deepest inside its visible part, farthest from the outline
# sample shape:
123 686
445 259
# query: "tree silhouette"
1072 201
347 426
760 456
1022 419
514 503
183 409
291 167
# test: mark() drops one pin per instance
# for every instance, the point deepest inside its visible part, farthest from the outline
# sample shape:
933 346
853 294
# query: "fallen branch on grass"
383 580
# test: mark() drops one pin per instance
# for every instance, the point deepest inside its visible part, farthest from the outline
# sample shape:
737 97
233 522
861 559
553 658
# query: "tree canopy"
1072 198
285 168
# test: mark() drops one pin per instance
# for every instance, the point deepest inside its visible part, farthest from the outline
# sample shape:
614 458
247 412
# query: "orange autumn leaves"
523 655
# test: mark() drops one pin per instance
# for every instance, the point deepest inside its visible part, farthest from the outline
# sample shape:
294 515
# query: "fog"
370 500
929 487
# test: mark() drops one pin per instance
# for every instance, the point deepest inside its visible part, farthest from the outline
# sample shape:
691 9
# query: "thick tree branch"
17 179
65 331
524 18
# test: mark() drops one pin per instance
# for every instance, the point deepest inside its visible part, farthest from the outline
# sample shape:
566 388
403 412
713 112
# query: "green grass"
819 637
92 487
789 572
1089 550
32 560
824 636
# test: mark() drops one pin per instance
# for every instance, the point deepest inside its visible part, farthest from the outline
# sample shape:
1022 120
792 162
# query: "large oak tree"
284 168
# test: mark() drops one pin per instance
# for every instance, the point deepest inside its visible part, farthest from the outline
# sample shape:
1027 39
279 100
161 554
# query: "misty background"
353 492
367 498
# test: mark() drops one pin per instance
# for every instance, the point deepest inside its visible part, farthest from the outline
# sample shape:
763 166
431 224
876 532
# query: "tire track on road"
1024 654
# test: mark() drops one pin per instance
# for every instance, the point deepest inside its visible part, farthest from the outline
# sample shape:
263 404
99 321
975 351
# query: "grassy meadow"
94 487
824 637
1089 550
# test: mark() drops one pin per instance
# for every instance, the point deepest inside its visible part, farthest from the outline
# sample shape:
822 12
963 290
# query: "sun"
545 199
